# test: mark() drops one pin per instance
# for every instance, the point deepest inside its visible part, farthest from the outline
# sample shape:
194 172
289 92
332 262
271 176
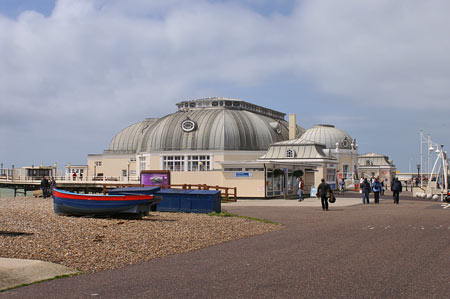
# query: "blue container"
134 191
191 201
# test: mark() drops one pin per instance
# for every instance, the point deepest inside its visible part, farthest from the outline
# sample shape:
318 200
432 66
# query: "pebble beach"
29 229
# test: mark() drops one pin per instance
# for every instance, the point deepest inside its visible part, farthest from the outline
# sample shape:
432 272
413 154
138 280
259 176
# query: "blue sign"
242 174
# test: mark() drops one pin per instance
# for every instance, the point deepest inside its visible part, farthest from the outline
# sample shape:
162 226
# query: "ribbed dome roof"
328 135
127 140
215 128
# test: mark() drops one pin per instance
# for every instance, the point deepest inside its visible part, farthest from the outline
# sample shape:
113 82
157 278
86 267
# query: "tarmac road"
360 251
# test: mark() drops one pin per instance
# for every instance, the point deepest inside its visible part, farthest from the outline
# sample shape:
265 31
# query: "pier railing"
93 185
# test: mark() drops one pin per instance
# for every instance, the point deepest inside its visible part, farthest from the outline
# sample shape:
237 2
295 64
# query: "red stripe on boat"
101 197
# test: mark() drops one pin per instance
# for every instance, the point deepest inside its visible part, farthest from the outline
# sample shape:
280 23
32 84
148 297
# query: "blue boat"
102 205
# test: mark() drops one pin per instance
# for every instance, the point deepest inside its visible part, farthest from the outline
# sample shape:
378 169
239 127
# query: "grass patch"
226 214
36 282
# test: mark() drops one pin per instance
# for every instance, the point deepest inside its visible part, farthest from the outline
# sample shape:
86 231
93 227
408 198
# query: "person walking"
44 187
322 192
52 185
365 187
301 185
376 188
342 186
396 188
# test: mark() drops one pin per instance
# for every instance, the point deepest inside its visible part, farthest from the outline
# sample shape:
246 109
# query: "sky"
73 73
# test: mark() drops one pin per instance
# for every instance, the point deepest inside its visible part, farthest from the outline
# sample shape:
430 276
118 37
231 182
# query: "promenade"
351 251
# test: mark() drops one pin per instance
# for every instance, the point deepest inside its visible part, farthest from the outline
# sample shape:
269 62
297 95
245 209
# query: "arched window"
290 153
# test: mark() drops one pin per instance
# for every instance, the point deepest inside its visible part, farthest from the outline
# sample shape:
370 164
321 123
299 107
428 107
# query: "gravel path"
29 229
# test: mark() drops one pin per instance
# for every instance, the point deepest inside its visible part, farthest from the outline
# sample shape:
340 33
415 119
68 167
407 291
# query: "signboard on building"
155 178
242 174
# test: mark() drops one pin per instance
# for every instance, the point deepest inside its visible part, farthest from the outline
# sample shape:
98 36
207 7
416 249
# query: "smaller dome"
329 136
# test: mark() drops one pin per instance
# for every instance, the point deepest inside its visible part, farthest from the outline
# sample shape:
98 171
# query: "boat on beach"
102 205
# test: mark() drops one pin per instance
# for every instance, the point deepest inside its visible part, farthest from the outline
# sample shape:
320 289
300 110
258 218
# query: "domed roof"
215 127
127 140
328 135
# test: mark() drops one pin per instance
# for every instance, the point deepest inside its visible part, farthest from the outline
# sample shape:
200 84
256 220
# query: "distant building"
376 165
324 152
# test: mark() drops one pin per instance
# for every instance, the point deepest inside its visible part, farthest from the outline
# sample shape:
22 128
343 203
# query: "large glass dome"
128 140
217 124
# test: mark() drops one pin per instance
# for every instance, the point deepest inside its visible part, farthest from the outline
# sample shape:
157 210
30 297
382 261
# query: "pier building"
232 143
376 165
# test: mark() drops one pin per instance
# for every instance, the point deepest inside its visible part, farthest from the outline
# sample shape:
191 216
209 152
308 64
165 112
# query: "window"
124 172
187 163
228 103
198 163
188 125
232 169
290 153
133 159
331 175
142 163
215 104
236 104
173 163
345 169
98 163
254 169
368 163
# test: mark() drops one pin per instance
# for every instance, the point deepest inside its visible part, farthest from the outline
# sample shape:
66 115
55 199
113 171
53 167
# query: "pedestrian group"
325 194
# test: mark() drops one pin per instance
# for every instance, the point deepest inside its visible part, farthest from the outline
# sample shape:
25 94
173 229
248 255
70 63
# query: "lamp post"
354 147
55 166
418 174
128 171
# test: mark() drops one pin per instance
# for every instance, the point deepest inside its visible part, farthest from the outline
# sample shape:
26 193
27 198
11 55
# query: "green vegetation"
31 283
226 214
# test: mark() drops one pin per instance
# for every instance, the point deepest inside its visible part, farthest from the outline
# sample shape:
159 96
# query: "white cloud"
106 62
394 52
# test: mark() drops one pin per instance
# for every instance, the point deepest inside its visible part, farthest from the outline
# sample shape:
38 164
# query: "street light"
128 172
418 174
55 166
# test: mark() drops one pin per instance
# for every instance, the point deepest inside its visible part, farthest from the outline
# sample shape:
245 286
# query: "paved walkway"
351 251
308 202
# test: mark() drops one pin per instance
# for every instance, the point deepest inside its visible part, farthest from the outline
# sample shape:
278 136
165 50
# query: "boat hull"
101 205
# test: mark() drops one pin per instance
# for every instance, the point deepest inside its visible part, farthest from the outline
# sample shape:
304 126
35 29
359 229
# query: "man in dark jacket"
396 189
322 192
44 186
365 187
